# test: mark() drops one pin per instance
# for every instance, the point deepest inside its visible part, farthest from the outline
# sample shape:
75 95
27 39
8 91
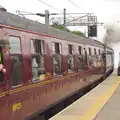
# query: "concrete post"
46 17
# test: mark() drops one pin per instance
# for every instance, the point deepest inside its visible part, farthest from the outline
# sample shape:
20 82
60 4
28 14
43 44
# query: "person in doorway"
2 50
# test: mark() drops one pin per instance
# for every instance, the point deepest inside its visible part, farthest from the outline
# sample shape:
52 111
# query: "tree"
61 27
78 33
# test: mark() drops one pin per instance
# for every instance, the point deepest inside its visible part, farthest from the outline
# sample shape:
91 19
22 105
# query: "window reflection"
57 64
80 63
16 70
90 58
70 63
57 59
94 61
70 58
38 67
16 61
38 60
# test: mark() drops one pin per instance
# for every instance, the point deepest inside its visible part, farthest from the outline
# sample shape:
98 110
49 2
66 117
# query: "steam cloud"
112 39
112 35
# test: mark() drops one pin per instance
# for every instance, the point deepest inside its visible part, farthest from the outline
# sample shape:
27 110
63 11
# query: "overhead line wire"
76 5
52 7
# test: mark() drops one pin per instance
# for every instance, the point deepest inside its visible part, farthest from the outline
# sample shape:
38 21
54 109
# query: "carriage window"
80 59
56 48
70 49
103 51
57 59
99 51
85 57
89 51
79 50
37 46
95 51
15 44
90 62
16 61
70 58
38 60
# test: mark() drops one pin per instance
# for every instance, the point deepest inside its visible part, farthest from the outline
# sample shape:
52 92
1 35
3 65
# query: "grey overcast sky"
106 10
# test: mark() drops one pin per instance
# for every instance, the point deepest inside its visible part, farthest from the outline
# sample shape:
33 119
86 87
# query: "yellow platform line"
101 101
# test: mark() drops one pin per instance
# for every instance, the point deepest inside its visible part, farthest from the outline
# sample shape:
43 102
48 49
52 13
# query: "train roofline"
24 24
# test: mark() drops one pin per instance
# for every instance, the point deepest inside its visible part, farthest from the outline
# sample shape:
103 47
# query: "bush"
78 33
61 27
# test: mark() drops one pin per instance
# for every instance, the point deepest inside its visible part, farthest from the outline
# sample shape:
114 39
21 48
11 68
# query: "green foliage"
61 27
78 33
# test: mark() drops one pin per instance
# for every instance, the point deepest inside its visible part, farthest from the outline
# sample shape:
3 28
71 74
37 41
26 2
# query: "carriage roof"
13 20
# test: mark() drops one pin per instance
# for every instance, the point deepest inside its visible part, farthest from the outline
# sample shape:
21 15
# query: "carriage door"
15 61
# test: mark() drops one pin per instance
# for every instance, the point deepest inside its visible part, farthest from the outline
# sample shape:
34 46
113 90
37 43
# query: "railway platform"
101 103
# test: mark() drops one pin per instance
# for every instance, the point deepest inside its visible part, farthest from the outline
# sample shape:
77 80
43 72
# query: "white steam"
112 35
112 39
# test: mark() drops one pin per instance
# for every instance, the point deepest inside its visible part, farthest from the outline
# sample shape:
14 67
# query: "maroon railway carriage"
45 65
